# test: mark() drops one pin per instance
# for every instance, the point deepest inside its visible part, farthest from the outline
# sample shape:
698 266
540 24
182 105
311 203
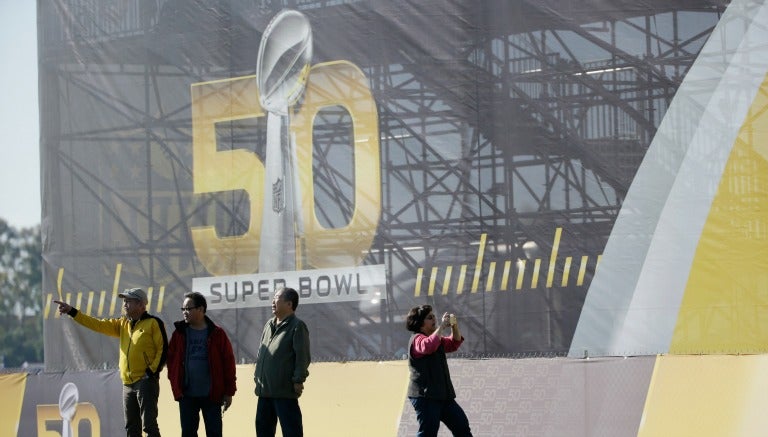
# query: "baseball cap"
134 293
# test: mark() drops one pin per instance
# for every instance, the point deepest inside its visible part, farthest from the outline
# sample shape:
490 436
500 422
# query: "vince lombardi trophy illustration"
68 407
282 67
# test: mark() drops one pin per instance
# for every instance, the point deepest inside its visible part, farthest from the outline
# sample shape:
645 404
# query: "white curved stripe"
632 304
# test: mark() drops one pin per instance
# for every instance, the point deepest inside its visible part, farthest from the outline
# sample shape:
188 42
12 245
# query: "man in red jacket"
201 368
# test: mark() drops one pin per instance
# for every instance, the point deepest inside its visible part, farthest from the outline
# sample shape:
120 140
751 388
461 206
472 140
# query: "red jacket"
221 361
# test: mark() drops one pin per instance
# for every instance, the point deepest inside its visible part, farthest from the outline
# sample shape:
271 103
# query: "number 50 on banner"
332 84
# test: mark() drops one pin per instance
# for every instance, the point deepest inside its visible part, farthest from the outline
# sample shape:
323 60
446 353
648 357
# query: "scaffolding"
563 102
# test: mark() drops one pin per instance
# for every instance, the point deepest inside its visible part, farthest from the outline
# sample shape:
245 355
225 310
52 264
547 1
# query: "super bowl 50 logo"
66 418
283 232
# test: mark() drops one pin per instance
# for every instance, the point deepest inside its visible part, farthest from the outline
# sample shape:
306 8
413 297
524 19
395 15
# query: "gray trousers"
140 407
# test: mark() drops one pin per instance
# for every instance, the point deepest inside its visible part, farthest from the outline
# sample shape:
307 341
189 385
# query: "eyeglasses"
189 308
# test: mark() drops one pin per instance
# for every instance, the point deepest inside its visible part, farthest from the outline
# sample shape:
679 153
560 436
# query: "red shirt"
425 345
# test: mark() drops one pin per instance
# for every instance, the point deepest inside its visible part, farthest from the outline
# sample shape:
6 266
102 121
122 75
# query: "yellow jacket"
143 344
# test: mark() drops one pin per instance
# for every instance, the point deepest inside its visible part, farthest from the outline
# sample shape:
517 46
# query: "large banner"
582 179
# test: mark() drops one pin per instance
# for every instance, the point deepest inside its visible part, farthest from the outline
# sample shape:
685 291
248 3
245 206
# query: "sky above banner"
19 117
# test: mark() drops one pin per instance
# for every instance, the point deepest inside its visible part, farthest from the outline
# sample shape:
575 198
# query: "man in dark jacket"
201 368
281 368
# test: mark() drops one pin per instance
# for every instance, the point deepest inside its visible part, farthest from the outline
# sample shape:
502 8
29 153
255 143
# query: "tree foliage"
21 323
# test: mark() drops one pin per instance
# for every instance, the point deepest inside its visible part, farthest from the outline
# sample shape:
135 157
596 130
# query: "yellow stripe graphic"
724 305
707 395
514 269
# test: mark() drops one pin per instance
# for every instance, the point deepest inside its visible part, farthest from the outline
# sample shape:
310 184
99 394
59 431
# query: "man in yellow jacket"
143 348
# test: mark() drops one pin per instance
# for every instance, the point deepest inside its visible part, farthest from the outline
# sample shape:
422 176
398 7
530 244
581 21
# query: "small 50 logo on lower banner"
64 419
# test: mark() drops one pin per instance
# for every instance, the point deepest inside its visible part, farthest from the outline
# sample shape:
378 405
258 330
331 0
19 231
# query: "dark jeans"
140 407
189 412
430 412
269 410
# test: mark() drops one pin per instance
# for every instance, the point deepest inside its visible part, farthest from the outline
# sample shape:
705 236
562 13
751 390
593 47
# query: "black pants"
269 410
430 412
190 408
140 407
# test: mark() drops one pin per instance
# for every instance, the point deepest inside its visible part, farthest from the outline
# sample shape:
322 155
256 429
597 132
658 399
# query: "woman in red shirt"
430 389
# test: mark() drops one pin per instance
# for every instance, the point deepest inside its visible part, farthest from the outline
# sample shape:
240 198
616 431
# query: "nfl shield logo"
278 197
